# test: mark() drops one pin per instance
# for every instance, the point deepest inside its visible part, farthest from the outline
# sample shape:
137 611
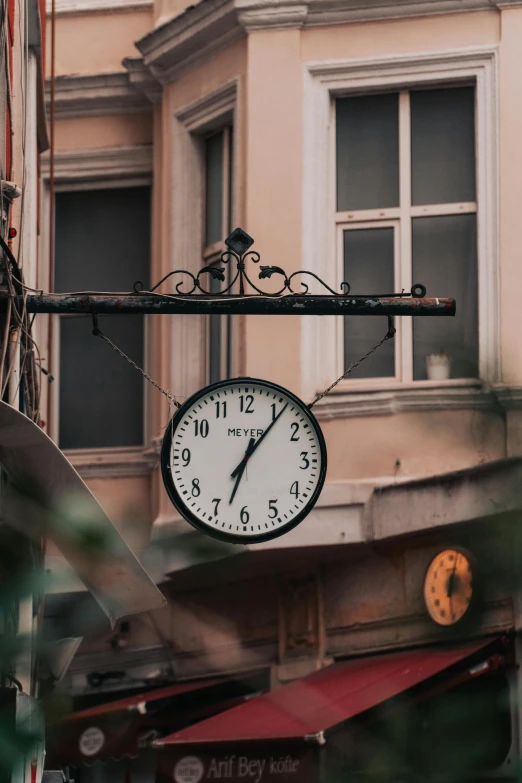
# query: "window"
406 213
217 226
103 244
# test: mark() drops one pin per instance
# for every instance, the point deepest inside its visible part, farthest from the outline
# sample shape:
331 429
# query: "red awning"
306 708
141 701
125 727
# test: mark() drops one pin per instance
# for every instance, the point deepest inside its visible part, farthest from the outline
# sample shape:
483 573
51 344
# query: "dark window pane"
214 188
102 239
443 145
367 152
230 214
445 261
368 267
102 243
101 395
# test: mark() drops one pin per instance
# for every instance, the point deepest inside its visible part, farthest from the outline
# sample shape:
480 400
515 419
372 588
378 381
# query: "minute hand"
250 450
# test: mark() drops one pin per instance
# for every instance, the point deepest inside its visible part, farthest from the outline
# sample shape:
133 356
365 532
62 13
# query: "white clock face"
244 460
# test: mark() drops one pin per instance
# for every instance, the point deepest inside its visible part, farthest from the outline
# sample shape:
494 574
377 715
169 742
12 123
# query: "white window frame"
401 352
323 83
189 368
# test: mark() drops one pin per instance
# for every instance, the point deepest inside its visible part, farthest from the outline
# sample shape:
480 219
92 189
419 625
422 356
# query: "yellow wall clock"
448 586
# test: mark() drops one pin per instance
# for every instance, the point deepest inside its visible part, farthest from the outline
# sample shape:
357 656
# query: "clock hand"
451 585
241 469
252 446
451 580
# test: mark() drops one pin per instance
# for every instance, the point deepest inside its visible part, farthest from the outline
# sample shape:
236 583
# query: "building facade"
372 143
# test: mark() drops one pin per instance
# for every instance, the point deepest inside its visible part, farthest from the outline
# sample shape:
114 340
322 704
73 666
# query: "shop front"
429 714
113 740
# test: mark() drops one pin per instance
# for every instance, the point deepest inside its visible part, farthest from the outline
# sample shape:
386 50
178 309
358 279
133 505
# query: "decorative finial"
239 241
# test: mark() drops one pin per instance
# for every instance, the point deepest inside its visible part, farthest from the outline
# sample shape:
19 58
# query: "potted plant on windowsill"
438 366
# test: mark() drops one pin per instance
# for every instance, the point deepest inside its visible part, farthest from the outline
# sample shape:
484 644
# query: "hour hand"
241 469
243 462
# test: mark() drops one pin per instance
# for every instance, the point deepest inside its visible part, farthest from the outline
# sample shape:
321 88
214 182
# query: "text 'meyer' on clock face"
244 460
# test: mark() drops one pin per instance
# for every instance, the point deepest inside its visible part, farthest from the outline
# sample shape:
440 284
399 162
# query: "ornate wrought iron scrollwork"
238 252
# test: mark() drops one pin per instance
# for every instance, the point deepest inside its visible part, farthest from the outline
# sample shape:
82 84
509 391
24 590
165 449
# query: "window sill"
393 397
111 463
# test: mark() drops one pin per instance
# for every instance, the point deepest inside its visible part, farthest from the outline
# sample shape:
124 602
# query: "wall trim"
72 7
197 116
103 166
94 95
414 399
111 463
190 38
323 81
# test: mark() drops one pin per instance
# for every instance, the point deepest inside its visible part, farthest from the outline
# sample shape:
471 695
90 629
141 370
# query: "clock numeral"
273 508
295 427
201 428
196 491
221 407
294 489
246 403
216 502
244 515
305 461
185 456
274 411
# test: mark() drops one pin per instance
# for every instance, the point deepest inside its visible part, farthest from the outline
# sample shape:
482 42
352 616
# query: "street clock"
449 592
244 460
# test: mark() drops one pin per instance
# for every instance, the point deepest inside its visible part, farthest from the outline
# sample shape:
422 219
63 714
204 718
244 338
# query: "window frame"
100 169
211 254
402 218
189 366
402 333
324 83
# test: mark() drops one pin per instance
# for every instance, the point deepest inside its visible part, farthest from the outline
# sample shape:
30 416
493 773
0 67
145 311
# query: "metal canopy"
48 497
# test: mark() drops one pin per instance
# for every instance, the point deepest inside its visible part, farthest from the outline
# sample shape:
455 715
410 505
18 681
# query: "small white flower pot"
438 366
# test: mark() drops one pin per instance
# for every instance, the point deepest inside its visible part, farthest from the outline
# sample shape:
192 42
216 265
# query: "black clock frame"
176 498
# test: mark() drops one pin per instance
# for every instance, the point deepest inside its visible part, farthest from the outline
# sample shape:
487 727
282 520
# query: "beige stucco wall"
96 42
77 133
400 36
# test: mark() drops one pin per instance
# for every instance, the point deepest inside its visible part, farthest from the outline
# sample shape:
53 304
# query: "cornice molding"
258 15
105 163
191 37
73 7
274 15
387 402
214 104
92 95
142 79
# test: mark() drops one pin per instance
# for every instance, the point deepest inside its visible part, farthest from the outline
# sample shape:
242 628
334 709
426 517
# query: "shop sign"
92 741
251 766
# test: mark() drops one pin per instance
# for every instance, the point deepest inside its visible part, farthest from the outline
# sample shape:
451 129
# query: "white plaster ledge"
110 463
417 397
94 95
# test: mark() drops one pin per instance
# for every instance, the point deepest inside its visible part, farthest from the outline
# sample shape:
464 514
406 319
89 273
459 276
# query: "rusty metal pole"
308 304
